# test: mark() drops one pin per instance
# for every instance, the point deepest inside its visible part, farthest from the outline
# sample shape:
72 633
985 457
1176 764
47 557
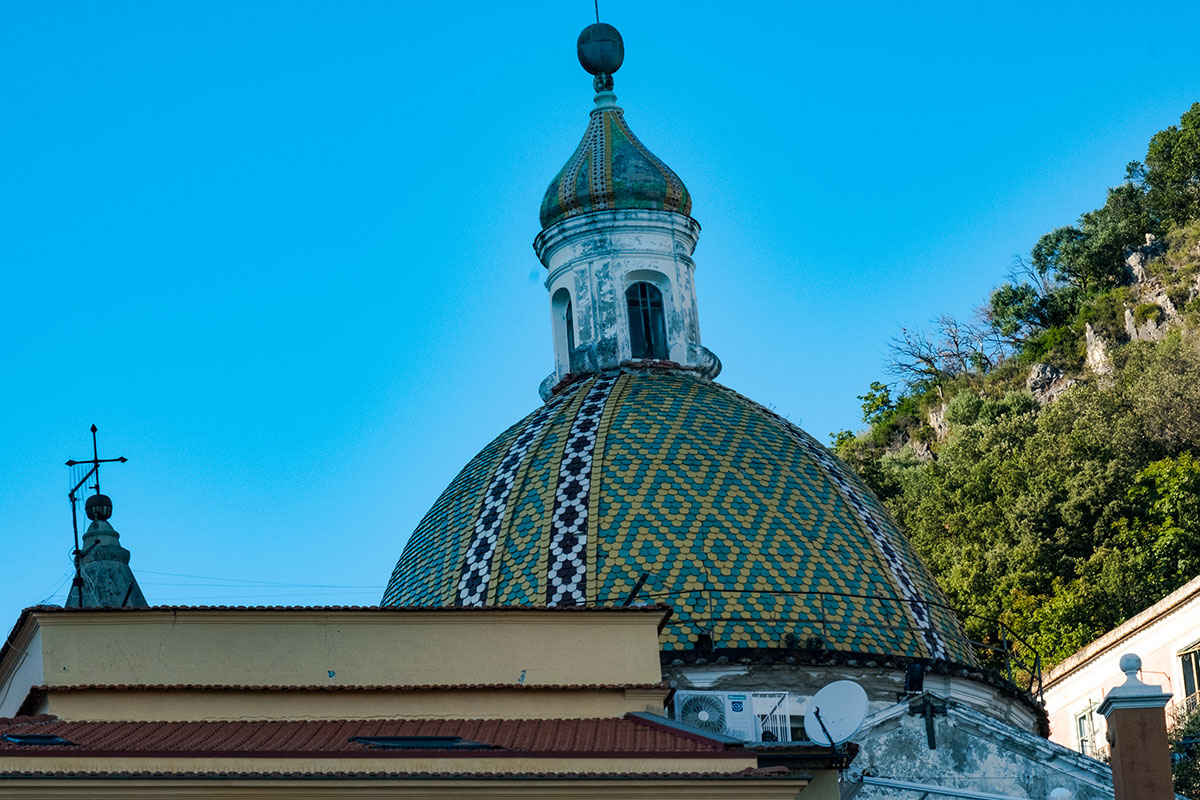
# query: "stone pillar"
1137 737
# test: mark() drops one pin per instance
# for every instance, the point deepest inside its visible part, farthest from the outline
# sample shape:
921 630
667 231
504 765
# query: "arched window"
562 317
569 319
647 329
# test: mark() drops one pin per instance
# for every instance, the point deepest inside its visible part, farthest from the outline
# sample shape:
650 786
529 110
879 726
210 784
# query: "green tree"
1062 520
877 402
841 439
1171 174
1184 737
1016 311
1067 518
1162 526
1091 256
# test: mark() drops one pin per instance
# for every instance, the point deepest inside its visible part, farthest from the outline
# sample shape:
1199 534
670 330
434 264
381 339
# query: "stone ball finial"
600 48
1130 664
1060 794
98 507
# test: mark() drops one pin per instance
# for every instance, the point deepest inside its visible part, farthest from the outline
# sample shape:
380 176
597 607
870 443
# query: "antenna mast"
77 554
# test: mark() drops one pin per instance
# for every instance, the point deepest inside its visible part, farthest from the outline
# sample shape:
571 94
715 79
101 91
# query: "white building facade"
1166 636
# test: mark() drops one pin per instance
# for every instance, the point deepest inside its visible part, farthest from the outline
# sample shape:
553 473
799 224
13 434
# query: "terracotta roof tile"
417 687
555 738
37 694
753 774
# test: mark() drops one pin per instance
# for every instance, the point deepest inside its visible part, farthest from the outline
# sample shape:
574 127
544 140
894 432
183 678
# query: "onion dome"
753 532
611 168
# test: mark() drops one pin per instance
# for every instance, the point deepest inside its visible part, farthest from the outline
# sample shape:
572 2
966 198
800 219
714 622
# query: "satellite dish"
842 707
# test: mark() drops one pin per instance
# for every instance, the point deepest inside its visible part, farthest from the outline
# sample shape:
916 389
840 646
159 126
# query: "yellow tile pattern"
742 531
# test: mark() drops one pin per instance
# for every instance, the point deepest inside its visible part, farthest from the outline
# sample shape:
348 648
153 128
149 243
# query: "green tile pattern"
437 546
742 530
612 169
521 553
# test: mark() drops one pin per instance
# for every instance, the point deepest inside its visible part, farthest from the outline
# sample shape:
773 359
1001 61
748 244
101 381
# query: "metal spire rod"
77 554
597 2
96 453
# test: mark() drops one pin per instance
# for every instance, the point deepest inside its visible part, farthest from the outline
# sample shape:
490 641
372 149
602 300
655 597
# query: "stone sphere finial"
601 52
1060 794
98 507
1130 664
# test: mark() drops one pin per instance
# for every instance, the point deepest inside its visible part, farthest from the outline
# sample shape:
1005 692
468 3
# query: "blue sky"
279 252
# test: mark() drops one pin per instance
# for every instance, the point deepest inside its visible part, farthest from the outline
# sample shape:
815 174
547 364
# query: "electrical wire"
50 594
207 597
376 587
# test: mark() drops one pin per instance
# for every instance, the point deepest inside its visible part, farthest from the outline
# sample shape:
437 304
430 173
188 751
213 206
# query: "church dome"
611 169
750 529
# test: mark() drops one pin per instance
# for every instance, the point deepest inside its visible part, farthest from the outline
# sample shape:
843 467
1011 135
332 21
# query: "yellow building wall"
584 788
328 647
522 765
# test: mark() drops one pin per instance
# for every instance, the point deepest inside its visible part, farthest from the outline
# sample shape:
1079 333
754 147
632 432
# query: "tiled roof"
428 687
37 693
749 528
618 737
764 773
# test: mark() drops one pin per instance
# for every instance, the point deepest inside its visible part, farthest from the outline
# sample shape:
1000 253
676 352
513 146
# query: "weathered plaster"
985 739
104 566
595 258
972 751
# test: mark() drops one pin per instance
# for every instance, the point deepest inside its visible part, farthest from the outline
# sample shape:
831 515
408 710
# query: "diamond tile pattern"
569 527
748 527
476 570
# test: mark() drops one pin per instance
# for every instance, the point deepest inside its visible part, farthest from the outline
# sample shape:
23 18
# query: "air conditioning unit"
728 713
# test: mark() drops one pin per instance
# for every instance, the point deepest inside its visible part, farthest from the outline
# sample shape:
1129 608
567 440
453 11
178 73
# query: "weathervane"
98 506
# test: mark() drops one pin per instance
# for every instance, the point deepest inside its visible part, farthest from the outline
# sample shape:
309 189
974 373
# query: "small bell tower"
617 241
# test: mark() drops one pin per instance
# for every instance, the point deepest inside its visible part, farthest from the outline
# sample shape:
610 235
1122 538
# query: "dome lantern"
611 168
617 241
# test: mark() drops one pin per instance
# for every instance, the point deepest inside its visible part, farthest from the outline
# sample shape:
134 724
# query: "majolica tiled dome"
747 526
611 169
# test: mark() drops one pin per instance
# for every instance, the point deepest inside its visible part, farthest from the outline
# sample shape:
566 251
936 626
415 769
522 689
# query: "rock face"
937 421
1047 382
1140 256
1148 289
1098 359
1151 330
